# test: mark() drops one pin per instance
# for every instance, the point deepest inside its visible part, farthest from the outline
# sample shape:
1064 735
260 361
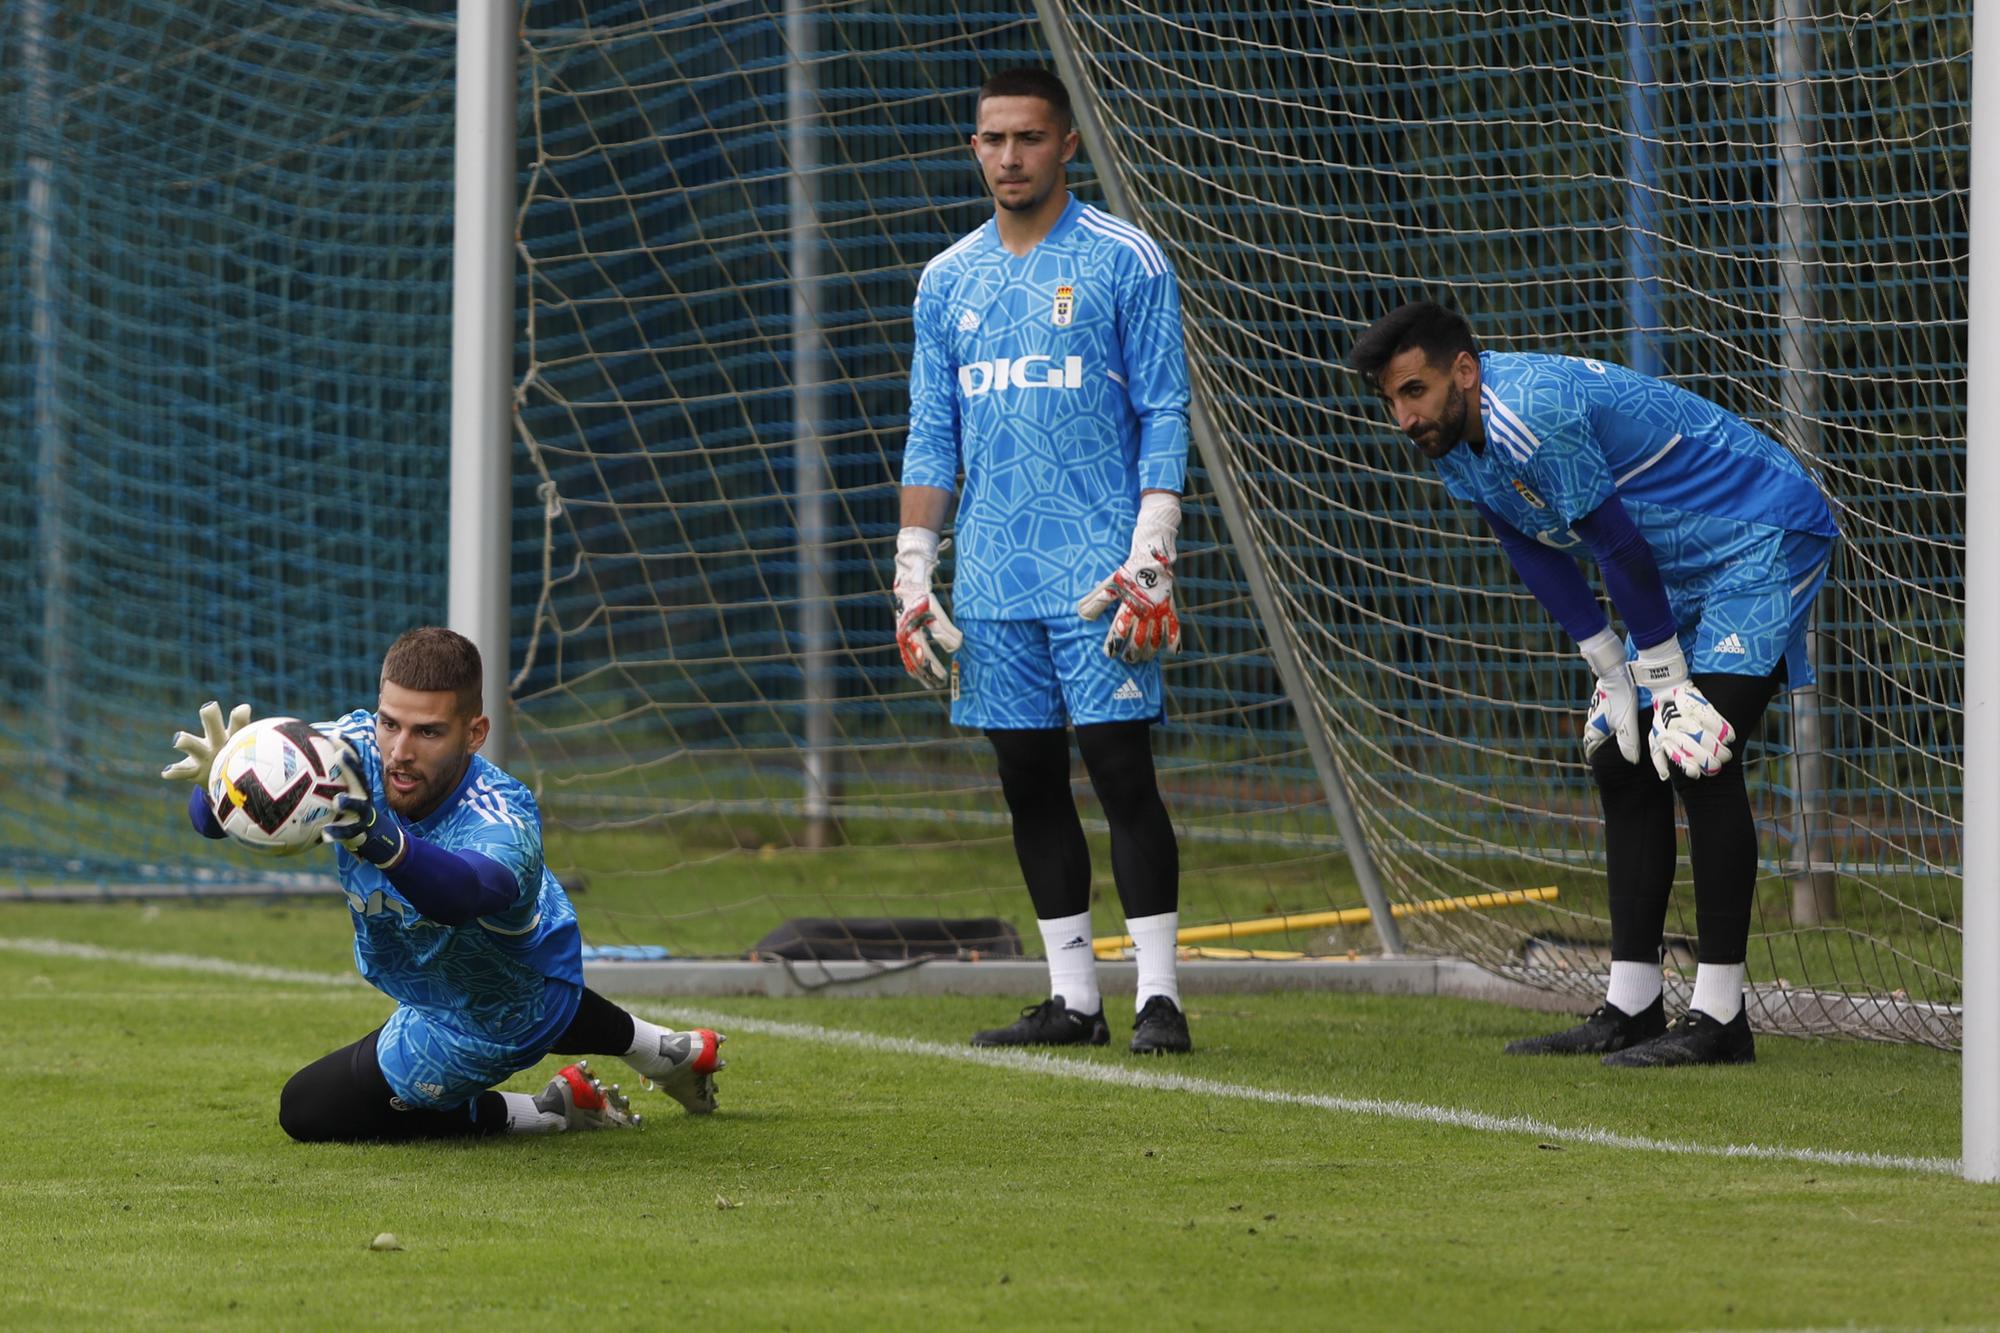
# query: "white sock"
644 1052
1718 990
1072 962
1153 948
524 1117
1634 986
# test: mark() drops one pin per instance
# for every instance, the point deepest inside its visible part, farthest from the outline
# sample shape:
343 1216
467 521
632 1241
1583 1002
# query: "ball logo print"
273 787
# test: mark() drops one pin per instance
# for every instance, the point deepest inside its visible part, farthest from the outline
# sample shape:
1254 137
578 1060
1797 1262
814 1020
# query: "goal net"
226 377
727 208
726 211
1762 203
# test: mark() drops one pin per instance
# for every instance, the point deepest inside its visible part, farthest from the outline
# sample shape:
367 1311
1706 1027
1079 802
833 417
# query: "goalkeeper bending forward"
1048 364
1712 542
458 921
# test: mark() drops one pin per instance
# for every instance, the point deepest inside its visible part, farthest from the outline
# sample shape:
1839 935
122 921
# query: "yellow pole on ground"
1351 916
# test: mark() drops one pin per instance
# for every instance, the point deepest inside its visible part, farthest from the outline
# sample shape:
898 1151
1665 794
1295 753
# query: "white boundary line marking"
1055 1066
1123 1076
179 962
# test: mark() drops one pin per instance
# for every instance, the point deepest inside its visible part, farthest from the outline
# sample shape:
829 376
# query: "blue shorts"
1030 674
1758 618
432 1062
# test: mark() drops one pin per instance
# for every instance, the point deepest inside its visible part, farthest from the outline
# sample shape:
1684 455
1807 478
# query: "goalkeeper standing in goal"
456 919
1049 369
1712 541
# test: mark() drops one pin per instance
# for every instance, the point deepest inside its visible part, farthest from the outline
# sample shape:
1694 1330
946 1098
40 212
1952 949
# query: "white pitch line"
179 962
1055 1066
1124 1076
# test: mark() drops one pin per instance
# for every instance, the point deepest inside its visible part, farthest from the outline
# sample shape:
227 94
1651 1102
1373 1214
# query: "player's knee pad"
1119 756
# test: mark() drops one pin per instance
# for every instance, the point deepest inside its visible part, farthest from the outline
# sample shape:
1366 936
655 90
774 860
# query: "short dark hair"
1031 81
1441 332
430 658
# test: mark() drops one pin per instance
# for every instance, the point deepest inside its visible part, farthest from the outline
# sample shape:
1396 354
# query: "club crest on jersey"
1528 495
1065 309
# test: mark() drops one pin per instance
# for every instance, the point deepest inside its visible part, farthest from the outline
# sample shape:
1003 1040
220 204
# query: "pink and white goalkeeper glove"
1614 704
1689 733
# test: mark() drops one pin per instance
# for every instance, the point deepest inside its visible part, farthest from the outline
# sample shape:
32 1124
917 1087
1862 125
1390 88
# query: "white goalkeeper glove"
1142 587
201 750
922 627
1614 707
1688 732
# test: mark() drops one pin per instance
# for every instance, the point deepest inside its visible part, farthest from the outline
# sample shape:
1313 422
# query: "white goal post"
1980 1110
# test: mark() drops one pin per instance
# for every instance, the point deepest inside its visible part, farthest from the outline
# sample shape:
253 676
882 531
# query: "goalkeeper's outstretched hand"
1143 587
1689 733
201 750
924 633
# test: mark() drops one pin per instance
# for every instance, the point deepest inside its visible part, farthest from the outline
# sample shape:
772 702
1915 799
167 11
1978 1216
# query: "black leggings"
342 1097
1048 836
1639 843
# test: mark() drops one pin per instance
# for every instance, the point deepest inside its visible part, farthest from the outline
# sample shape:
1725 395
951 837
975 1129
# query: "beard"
1449 430
431 789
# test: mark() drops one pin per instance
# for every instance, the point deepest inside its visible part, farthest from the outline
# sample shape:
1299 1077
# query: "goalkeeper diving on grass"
1712 541
456 919
1049 370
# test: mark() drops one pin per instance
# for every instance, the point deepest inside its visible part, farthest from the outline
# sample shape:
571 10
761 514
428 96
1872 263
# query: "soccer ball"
273 786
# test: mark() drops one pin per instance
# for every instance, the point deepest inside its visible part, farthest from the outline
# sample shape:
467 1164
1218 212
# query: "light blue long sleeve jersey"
1056 381
1725 509
489 975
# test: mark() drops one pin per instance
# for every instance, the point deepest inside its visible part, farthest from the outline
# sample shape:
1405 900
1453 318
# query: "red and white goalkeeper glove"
1143 587
922 627
1689 733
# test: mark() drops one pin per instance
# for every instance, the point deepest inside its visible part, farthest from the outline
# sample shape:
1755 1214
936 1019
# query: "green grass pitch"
852 1181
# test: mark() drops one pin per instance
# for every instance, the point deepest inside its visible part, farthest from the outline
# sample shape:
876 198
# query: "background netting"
230 458
695 653
225 451
1768 210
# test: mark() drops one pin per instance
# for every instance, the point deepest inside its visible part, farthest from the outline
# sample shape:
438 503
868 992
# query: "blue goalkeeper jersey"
487 975
1719 503
1056 382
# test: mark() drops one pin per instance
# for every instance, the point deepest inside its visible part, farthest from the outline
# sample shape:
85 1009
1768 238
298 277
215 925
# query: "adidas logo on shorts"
1130 689
1731 644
